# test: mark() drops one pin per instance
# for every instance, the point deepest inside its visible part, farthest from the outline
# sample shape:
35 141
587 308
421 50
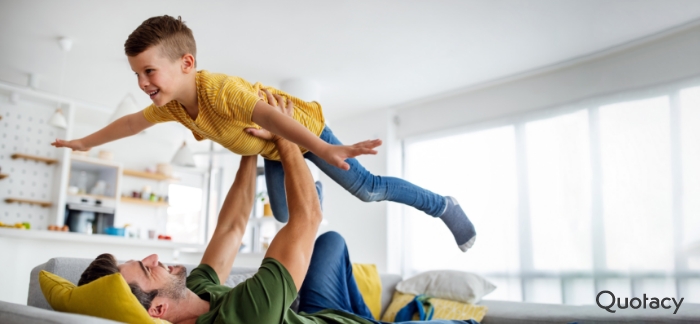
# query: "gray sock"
459 224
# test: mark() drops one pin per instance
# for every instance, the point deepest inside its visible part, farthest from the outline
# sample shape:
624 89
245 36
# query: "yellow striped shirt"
226 109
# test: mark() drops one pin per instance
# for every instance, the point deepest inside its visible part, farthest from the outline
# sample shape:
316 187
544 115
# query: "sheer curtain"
582 200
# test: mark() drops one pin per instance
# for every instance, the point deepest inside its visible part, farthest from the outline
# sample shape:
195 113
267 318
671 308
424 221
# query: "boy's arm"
278 123
126 126
233 218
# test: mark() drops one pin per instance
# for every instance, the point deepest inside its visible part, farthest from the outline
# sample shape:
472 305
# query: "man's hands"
75 145
333 154
285 106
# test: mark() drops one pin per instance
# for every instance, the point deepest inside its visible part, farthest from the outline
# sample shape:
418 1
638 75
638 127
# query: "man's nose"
151 260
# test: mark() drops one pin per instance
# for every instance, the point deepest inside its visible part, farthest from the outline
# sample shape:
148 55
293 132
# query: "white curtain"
571 202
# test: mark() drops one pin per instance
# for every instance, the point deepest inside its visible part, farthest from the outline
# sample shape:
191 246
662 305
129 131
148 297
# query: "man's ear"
188 63
159 306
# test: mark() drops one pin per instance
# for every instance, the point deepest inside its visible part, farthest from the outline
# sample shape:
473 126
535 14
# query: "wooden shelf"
3 176
99 197
147 175
140 201
33 157
27 201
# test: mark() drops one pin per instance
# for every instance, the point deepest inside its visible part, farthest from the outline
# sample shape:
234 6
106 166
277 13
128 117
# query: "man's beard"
176 288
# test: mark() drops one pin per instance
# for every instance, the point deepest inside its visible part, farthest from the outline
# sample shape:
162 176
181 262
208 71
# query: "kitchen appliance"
89 215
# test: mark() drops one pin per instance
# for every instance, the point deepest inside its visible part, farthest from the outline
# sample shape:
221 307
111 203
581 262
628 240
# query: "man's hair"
106 264
173 34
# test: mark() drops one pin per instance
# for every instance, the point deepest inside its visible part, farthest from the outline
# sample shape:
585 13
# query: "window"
479 170
587 198
184 213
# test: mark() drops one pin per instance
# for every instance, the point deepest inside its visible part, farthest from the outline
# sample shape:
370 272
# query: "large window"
582 200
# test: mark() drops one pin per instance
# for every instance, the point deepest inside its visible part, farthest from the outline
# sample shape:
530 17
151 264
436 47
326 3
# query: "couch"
37 309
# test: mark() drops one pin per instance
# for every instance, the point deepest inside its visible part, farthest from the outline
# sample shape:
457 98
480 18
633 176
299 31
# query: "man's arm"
285 126
233 218
294 243
126 126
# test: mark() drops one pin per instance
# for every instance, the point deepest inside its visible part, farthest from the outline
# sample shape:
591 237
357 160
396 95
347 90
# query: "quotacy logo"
654 304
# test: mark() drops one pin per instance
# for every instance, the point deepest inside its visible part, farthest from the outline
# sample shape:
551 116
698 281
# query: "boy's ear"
188 63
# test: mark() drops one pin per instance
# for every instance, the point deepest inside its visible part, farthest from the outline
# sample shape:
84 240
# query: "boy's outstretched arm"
278 123
126 126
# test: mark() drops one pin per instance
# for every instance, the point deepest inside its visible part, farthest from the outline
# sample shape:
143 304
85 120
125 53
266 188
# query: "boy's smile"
157 75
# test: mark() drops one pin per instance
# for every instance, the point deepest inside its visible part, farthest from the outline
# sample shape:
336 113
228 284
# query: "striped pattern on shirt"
226 109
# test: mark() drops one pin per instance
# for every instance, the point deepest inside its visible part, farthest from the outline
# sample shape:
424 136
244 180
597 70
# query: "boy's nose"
143 83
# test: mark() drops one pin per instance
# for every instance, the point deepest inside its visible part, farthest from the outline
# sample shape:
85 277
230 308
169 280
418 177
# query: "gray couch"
499 312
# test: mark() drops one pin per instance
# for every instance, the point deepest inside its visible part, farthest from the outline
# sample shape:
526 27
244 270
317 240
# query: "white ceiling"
363 54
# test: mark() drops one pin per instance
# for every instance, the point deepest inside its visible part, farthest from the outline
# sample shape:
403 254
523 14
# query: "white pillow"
448 284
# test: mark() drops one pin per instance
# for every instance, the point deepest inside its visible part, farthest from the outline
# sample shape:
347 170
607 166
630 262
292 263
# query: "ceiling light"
183 157
126 107
58 119
65 43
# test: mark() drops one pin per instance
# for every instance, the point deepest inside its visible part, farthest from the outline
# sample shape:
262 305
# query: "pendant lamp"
183 156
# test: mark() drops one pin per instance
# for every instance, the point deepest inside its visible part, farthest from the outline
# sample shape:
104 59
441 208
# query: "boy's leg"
274 178
329 283
369 187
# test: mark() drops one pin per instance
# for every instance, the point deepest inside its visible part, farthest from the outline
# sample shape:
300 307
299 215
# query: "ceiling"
363 54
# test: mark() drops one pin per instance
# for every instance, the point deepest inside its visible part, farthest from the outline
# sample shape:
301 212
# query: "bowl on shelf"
116 231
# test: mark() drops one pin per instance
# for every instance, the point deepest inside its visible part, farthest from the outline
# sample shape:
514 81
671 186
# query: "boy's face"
157 75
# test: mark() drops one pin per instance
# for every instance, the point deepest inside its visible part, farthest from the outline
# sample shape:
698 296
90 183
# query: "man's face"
149 274
157 75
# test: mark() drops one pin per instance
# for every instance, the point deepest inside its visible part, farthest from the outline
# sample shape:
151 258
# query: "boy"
231 112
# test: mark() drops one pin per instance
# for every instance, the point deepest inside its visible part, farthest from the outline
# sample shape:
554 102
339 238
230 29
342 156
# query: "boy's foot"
459 224
319 190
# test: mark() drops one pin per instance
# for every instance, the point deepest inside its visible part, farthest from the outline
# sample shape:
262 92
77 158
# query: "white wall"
654 62
364 225
660 61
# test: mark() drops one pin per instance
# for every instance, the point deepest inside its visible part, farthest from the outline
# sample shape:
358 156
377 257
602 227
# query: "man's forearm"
298 182
239 201
233 218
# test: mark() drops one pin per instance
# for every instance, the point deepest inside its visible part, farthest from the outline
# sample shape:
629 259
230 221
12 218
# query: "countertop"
99 239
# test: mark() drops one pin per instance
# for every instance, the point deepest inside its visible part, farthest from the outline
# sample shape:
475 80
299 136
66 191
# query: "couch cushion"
107 297
22 314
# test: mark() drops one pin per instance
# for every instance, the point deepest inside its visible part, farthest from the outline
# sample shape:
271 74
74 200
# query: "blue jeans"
329 283
358 181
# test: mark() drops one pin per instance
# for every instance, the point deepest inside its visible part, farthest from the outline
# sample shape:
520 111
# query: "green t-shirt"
264 298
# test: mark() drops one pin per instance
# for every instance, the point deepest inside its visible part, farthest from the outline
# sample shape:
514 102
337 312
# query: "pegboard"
24 129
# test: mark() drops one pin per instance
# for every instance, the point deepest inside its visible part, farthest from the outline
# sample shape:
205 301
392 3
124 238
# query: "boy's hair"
104 265
173 34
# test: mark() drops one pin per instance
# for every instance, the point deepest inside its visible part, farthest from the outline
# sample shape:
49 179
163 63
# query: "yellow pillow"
444 309
370 285
108 297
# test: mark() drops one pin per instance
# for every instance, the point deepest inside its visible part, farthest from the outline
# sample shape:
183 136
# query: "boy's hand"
337 154
285 106
75 145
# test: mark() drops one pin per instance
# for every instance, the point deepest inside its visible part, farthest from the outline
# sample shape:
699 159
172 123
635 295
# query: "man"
328 292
